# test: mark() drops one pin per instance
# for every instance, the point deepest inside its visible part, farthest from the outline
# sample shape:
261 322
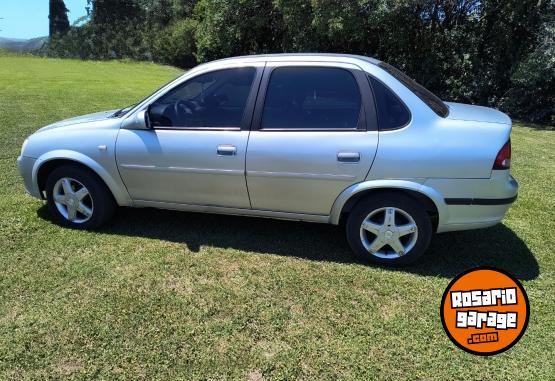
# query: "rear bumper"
25 166
467 217
475 203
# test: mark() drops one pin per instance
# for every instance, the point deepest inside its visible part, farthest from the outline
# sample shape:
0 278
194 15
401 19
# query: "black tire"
400 201
100 195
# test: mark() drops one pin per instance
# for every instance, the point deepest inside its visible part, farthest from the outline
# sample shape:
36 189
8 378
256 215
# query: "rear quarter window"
392 113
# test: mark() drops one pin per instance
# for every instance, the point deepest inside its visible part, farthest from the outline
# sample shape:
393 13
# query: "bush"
235 27
532 93
100 42
175 44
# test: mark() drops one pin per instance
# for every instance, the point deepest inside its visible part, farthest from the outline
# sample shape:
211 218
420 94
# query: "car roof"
321 57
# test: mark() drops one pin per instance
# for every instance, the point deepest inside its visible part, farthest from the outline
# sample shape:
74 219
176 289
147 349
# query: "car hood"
459 111
80 119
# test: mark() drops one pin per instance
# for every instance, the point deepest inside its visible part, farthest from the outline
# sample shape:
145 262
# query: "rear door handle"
348 157
227 150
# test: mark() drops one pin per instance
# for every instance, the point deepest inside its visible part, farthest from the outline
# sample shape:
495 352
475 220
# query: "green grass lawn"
165 295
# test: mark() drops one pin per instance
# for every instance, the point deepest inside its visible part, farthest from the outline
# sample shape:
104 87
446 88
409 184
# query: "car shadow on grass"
449 253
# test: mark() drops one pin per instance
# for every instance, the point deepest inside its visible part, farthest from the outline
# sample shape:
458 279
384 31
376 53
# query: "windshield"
420 91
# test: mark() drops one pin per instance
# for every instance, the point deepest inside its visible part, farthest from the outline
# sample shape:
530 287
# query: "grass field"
166 295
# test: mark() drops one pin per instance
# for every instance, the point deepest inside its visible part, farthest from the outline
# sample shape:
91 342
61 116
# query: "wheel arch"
51 160
433 202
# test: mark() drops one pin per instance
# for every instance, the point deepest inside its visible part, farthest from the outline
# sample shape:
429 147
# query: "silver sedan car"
311 137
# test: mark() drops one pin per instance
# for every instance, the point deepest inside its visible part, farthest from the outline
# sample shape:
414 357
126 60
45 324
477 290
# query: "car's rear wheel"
389 229
78 198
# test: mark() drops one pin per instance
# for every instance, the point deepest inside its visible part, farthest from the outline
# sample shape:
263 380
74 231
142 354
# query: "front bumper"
25 165
475 203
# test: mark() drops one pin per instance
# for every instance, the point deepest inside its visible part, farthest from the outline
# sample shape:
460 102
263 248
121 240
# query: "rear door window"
312 98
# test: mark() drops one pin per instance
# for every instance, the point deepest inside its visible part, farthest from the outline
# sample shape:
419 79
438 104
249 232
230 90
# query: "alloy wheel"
388 233
73 200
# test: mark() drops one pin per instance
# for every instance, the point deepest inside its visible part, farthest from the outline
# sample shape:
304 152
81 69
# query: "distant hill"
22 45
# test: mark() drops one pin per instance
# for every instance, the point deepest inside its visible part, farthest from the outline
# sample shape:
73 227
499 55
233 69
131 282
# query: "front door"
314 135
195 151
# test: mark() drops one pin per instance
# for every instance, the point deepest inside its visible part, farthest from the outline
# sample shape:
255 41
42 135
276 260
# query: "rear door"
314 134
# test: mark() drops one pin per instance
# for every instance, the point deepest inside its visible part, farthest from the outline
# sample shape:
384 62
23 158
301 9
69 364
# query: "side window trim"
367 118
369 78
247 116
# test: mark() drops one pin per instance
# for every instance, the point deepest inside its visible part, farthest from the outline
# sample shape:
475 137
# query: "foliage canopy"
492 52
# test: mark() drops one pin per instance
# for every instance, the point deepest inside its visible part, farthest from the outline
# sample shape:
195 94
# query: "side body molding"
113 181
354 189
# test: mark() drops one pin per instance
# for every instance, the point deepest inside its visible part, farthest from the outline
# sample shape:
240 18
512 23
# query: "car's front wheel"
389 229
78 198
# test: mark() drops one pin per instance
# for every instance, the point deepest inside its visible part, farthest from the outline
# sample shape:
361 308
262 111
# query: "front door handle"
348 157
227 150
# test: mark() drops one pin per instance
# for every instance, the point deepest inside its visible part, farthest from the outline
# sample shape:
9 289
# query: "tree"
115 12
59 23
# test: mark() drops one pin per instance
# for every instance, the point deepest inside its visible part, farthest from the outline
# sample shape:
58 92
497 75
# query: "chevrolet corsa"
311 137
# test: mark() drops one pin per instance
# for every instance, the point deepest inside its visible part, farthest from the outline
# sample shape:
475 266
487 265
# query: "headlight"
24 145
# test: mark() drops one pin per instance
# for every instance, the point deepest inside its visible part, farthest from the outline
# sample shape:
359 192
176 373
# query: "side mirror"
139 121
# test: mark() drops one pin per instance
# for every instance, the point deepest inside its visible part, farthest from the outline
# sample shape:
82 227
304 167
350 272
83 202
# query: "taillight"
503 159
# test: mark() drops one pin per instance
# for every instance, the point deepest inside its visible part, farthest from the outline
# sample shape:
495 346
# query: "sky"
29 18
